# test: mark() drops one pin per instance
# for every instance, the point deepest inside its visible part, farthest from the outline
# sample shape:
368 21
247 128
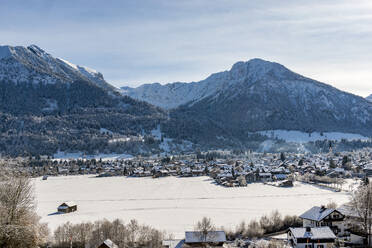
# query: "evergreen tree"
332 164
282 156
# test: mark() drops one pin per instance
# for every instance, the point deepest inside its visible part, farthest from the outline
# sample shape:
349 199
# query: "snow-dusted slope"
260 95
175 94
33 65
302 137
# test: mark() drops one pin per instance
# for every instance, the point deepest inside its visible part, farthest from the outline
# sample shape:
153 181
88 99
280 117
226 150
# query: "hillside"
258 96
48 104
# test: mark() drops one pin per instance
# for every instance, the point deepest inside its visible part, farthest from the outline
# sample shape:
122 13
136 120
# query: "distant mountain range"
256 96
48 104
369 98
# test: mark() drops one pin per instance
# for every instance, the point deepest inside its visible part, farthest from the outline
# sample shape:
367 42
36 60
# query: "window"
320 246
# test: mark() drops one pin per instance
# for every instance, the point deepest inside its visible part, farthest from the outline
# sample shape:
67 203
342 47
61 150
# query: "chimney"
322 208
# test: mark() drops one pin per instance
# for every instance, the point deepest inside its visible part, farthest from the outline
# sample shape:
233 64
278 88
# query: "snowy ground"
301 137
172 204
78 155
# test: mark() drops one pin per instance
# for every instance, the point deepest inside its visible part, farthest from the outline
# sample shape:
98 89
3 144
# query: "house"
195 238
311 237
322 216
368 169
353 225
173 243
108 244
265 176
280 177
67 207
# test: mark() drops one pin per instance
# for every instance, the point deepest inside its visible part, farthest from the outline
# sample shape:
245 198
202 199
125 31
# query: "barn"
67 207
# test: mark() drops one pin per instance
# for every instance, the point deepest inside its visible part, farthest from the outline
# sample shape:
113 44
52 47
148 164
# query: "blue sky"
143 41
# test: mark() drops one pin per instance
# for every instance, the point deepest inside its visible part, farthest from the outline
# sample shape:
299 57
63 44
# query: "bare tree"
204 227
362 203
19 223
91 235
331 205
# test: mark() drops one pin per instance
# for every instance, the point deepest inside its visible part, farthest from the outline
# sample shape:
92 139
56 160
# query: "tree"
233 173
242 181
19 223
204 227
331 205
301 162
361 202
345 159
365 180
282 156
332 163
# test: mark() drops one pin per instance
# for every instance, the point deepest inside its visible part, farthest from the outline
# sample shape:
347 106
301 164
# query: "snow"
105 131
89 70
82 69
5 52
156 133
33 62
171 204
166 144
69 63
302 137
172 95
78 155
52 105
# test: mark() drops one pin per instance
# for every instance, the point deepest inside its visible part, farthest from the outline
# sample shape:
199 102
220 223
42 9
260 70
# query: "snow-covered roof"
315 233
348 210
110 244
211 237
317 213
68 204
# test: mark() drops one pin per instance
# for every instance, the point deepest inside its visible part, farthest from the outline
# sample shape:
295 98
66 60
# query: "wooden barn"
67 207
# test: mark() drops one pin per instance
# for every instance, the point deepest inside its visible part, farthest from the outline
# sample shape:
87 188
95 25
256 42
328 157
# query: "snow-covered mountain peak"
175 94
34 65
256 68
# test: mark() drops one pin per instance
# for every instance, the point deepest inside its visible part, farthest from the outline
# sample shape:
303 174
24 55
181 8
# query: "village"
226 168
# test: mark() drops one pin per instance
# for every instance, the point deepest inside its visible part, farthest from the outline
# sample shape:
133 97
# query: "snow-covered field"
171 204
301 137
78 155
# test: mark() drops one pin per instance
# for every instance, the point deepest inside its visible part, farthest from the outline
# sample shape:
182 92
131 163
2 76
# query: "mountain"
369 98
33 65
258 96
48 104
172 95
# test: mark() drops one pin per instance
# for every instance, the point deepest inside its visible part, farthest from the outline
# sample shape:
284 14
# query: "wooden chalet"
67 207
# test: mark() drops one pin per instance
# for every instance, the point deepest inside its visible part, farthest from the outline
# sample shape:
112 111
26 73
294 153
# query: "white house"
311 237
322 216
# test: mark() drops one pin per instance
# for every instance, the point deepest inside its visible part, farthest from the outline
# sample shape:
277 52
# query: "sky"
143 41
